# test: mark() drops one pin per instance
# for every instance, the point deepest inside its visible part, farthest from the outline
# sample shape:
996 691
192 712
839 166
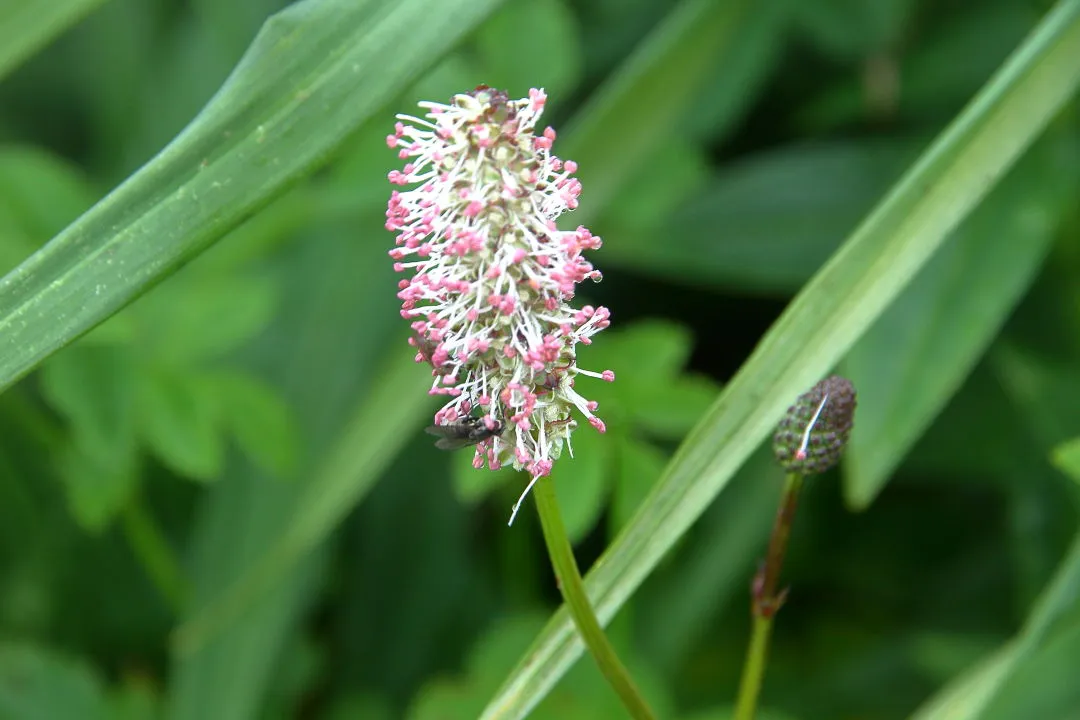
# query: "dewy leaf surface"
315 72
837 306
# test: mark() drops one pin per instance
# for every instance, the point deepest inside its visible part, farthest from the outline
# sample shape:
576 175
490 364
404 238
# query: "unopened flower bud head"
490 275
812 436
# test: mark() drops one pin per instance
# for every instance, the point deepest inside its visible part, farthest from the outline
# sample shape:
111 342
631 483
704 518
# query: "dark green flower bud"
813 433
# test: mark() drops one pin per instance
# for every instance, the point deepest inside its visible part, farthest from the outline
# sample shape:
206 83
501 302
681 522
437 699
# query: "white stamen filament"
521 499
801 454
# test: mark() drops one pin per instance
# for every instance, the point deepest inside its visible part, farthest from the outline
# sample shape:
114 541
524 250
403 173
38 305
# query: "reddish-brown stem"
765 598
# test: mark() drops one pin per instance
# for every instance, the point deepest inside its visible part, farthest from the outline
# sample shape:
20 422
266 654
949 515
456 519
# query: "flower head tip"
812 435
491 277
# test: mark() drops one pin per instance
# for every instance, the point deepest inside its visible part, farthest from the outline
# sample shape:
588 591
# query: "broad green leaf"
307 82
134 700
919 352
744 67
851 29
357 398
180 419
649 200
651 394
359 707
201 316
728 713
1044 684
90 386
581 482
99 482
713 569
633 113
977 410
640 466
671 410
823 322
28 25
472 485
1047 392
39 684
1067 458
234 24
931 83
41 191
367 443
766 223
973 694
261 422
650 350
583 695
532 44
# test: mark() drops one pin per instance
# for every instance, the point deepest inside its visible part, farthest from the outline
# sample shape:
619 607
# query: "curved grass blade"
26 26
822 323
657 87
314 73
974 692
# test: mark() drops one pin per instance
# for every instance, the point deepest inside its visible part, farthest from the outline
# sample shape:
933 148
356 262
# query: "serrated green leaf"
260 420
99 482
307 82
260 543
531 44
39 684
918 353
197 316
650 350
180 420
28 25
822 323
91 387
671 410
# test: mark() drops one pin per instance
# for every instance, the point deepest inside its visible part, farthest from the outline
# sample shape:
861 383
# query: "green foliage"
216 500
651 402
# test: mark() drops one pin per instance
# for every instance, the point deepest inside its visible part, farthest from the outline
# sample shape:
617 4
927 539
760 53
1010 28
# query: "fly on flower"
464 433
491 277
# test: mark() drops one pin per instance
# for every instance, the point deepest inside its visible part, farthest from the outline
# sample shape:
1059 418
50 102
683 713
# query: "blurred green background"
198 519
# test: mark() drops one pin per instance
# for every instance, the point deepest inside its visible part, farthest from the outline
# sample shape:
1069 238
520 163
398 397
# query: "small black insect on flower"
464 432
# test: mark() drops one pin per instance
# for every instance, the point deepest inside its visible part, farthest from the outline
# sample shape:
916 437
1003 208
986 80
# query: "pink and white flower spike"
491 277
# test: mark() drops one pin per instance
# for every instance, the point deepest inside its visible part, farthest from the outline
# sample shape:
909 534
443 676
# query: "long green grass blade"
823 322
314 73
972 693
28 25
368 443
657 87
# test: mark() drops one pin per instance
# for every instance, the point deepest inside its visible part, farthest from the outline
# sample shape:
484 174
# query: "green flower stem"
766 601
154 554
573 591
